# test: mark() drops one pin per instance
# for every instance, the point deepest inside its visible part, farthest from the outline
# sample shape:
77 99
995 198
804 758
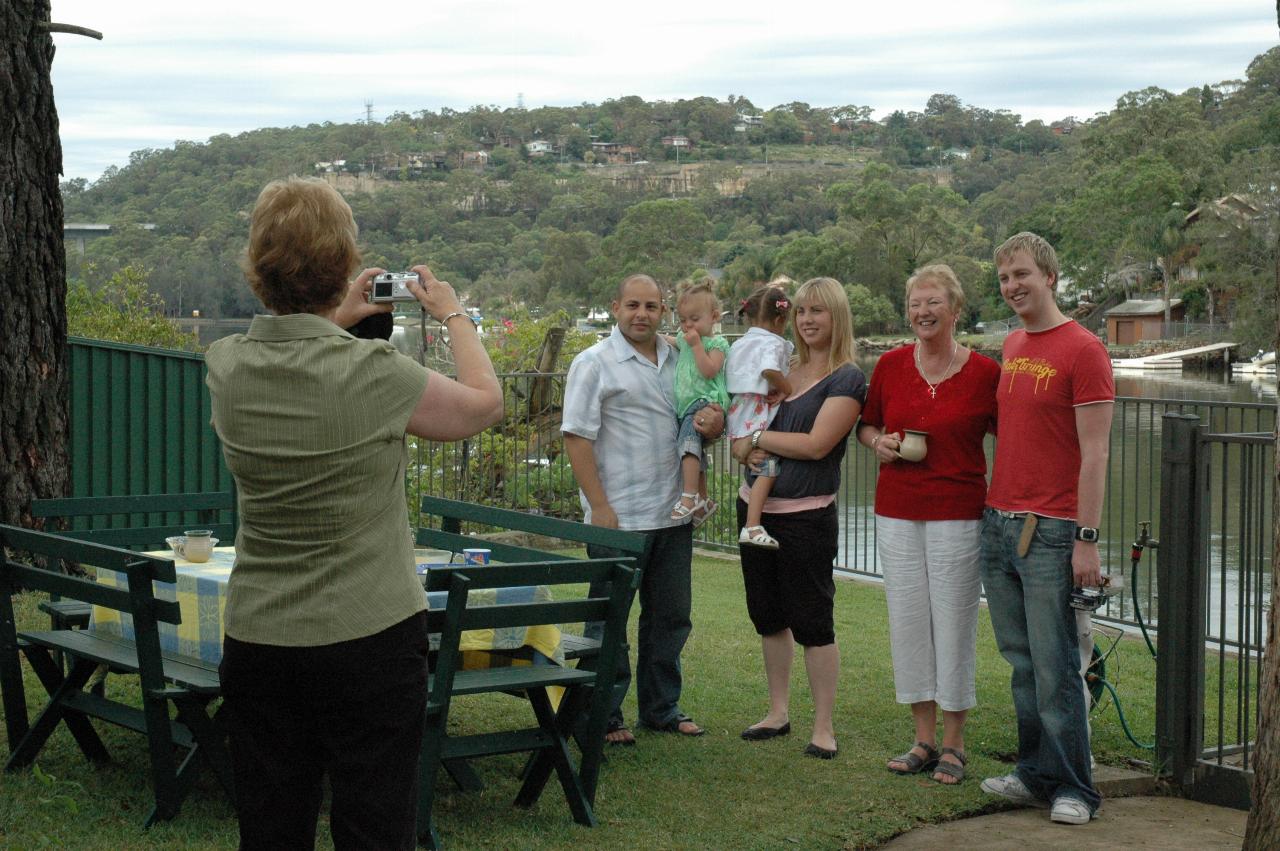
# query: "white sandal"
756 536
682 511
702 511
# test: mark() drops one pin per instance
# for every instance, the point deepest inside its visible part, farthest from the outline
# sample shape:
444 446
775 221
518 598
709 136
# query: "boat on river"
1263 363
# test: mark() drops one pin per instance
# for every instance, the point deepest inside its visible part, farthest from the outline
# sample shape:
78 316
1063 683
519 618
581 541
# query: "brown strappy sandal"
950 769
914 762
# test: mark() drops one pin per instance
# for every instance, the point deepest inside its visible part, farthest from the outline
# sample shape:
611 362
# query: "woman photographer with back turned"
324 667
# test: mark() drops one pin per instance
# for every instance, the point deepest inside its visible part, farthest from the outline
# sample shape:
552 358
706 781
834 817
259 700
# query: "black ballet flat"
760 734
819 753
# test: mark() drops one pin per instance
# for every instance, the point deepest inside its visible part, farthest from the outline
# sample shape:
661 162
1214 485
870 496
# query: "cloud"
175 71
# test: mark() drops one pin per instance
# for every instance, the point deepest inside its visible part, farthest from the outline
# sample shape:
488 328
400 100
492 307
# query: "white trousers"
932 583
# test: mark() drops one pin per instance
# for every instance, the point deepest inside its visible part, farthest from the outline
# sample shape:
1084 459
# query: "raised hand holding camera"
436 297
356 303
392 287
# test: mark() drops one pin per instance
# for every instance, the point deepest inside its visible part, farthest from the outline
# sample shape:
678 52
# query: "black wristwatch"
1088 534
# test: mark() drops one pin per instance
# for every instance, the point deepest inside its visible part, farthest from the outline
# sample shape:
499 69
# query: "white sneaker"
1069 810
1011 788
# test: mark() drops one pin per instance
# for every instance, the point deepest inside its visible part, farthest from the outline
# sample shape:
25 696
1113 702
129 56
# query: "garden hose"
1124 723
1135 556
1095 678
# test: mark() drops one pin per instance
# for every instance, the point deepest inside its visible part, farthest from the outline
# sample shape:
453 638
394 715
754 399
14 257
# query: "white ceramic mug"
913 446
196 545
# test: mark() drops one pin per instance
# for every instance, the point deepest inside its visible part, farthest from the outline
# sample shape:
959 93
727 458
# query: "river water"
1241 497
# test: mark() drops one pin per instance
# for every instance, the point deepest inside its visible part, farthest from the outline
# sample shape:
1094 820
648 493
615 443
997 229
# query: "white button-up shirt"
625 404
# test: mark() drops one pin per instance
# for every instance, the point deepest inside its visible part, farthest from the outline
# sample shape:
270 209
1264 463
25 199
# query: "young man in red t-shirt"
1039 530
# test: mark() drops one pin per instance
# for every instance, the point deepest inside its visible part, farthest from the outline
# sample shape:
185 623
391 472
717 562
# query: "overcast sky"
169 71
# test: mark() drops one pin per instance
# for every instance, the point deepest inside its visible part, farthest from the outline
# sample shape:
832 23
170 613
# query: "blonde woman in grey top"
324 663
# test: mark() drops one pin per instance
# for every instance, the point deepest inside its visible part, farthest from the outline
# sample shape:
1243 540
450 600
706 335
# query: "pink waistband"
780 505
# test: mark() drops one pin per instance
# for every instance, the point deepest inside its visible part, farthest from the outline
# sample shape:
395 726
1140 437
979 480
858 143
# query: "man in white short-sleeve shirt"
620 429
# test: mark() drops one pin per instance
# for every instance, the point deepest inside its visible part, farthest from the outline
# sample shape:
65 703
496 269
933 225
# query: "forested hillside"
804 191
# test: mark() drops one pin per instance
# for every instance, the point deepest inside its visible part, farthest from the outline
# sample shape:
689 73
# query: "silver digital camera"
1087 599
1092 599
392 286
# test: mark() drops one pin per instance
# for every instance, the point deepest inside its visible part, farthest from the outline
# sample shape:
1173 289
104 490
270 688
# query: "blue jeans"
1035 630
666 599
688 441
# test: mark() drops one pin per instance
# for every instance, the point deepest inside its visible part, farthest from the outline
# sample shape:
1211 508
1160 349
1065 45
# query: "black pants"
353 710
793 587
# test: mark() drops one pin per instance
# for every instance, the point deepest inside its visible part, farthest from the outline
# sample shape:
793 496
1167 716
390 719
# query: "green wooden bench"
176 747
150 518
588 690
453 513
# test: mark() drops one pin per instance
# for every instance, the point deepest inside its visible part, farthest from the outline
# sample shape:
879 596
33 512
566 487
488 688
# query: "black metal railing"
1133 496
1217 501
521 465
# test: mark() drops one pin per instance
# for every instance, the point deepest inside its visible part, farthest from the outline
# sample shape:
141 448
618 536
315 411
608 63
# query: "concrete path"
1143 821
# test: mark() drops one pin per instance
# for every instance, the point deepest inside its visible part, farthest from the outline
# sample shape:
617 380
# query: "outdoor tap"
1144 540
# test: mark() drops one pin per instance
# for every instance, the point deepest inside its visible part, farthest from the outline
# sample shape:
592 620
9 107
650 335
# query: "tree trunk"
1263 831
1168 293
33 284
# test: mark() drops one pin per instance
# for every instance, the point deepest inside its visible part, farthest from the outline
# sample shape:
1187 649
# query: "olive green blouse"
312 423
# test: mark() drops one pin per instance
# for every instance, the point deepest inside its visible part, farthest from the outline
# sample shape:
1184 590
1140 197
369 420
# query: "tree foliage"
126 311
844 195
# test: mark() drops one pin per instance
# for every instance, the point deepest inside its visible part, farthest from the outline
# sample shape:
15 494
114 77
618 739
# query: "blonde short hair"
701 289
830 294
302 246
945 277
1036 246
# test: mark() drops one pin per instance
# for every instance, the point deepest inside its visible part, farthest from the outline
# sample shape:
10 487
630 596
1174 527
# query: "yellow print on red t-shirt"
1040 368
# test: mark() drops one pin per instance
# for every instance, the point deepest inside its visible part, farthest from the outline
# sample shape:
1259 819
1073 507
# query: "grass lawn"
668 792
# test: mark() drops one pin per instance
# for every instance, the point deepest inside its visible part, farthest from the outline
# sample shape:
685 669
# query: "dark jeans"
1035 628
666 597
353 710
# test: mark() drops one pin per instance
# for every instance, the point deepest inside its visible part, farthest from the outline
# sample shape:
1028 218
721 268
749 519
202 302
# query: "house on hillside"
614 153
1233 207
1136 320
539 147
502 140
393 166
475 159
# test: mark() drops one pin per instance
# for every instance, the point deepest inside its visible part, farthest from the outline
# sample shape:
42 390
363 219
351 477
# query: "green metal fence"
140 425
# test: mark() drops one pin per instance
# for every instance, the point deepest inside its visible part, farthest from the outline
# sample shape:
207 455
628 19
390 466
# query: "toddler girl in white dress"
756 375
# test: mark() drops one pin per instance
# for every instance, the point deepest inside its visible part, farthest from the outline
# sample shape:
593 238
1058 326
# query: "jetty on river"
1174 360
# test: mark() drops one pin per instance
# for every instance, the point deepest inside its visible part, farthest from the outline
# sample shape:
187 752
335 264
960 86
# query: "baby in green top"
699 382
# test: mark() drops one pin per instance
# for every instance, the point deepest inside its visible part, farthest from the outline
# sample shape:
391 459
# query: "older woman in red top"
938 396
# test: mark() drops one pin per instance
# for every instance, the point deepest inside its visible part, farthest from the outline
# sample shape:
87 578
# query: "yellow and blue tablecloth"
201 594
475 644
